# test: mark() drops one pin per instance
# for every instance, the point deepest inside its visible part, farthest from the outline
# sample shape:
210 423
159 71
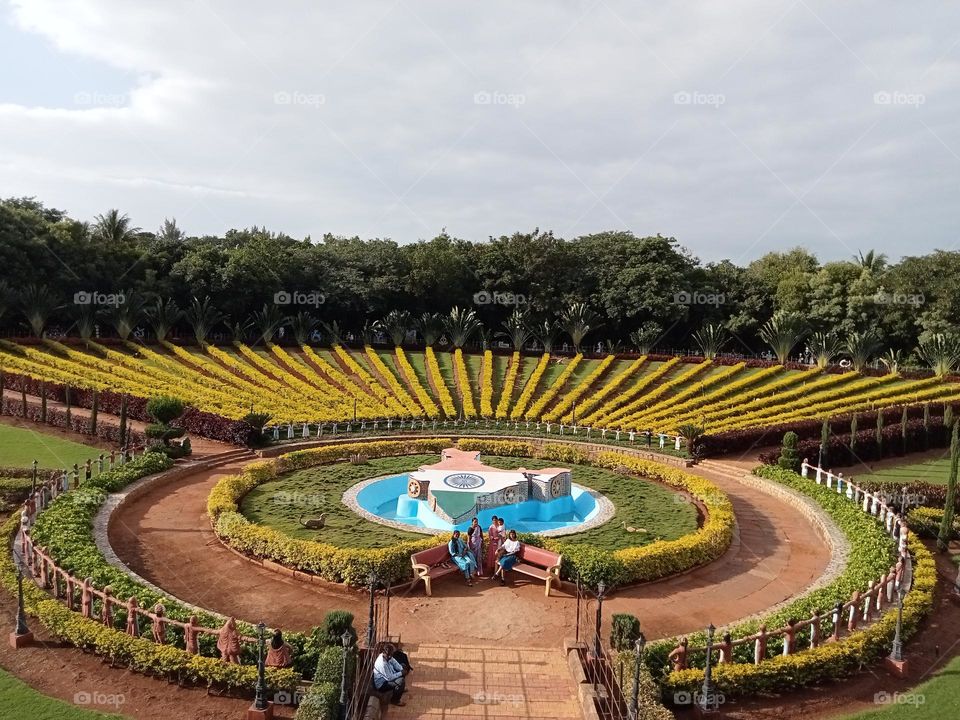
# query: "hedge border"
354 565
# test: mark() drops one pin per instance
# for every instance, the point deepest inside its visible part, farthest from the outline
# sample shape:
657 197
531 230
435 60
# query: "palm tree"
873 262
239 329
710 338
163 316
169 232
334 331
397 324
38 303
941 352
577 321
86 322
125 315
268 320
302 324
782 332
517 327
546 334
892 360
203 317
646 337
691 432
114 227
369 331
460 324
861 346
430 326
824 346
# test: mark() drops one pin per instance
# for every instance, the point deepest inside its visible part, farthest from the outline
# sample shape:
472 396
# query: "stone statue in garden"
229 642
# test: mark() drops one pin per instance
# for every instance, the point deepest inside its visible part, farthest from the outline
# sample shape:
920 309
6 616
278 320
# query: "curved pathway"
165 536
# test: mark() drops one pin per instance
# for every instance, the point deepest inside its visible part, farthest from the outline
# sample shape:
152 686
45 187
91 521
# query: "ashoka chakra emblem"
463 481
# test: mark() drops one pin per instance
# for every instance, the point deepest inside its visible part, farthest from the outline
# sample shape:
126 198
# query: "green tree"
782 333
946 523
710 339
114 227
577 321
789 458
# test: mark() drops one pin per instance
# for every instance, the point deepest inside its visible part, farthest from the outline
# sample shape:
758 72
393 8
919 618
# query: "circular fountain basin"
386 500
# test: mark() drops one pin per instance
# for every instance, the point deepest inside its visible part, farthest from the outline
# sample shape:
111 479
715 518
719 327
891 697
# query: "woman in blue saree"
462 557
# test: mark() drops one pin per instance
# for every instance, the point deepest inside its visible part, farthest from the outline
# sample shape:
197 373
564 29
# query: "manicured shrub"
624 631
789 459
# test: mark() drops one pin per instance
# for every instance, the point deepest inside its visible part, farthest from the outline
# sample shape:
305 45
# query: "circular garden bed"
244 513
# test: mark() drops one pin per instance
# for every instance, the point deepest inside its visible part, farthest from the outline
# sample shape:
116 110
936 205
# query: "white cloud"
736 127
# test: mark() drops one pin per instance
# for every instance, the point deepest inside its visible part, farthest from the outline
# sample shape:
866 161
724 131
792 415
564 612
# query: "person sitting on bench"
388 675
508 556
462 557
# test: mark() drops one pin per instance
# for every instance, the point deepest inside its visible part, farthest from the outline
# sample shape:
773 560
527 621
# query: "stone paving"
469 682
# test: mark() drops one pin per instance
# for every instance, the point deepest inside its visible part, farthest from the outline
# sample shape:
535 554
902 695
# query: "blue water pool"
387 499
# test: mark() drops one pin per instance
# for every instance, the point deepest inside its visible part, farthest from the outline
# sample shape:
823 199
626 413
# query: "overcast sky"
737 127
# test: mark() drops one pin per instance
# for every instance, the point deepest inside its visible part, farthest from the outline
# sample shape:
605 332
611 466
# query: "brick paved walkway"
469 682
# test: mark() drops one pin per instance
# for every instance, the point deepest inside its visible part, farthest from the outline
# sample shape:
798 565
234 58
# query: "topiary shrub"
624 631
164 410
789 459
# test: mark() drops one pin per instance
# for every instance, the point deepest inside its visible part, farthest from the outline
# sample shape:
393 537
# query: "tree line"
109 276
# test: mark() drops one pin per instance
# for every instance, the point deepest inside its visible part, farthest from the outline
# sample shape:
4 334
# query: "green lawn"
936 699
22 701
19 447
930 471
638 503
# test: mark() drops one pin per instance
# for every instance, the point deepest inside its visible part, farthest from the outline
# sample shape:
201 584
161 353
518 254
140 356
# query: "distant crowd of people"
477 557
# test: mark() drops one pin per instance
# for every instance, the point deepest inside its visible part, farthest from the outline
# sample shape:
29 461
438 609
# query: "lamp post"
708 695
634 703
601 594
21 636
33 483
895 659
260 702
346 639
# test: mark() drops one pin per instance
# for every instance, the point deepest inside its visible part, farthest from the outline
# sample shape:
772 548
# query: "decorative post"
895 662
21 636
261 709
346 639
760 646
634 702
601 594
33 481
370 618
708 696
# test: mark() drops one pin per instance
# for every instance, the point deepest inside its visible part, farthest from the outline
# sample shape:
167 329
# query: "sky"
738 127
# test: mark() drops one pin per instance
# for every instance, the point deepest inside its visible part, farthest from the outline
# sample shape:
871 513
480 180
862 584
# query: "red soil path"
165 536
